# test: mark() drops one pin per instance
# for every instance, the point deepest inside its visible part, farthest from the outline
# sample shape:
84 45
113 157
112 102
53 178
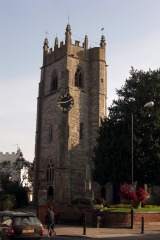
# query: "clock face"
65 102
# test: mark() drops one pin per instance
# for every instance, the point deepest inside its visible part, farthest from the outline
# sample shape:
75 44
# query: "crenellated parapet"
8 156
76 49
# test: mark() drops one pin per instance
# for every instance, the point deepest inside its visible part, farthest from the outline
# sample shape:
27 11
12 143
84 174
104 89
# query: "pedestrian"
49 221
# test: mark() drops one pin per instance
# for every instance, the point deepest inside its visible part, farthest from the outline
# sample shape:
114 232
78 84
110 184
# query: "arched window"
54 81
79 78
50 174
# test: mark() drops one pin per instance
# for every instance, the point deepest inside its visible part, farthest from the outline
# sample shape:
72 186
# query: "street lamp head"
149 104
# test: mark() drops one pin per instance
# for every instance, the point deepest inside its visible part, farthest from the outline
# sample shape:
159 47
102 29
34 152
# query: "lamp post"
149 104
146 105
132 161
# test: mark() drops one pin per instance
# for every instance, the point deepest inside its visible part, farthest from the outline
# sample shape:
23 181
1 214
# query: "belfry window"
54 82
79 78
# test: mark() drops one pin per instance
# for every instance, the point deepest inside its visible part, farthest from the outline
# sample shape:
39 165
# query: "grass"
127 208
149 208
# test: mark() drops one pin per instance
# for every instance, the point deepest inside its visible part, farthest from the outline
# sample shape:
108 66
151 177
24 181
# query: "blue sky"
132 30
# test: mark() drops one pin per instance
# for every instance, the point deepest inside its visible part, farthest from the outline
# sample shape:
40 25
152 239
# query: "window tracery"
50 174
79 78
54 81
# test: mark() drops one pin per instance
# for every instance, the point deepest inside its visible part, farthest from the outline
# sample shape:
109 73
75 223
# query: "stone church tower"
71 103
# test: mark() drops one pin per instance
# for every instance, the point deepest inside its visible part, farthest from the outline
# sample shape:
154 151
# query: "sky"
132 31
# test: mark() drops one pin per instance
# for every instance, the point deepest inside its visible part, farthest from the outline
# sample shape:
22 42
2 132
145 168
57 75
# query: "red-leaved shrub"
128 192
142 195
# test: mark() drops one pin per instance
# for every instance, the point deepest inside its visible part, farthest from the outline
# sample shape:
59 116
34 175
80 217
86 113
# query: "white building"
16 168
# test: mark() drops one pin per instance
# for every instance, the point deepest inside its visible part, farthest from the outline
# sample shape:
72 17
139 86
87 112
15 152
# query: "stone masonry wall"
66 152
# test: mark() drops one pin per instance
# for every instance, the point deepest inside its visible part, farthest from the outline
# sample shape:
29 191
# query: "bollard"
98 221
142 225
84 223
132 218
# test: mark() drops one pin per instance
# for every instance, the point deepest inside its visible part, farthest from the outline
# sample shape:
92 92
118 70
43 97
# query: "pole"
132 162
84 223
132 218
98 221
142 225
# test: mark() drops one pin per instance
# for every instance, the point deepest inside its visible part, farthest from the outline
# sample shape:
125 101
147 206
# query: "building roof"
11 157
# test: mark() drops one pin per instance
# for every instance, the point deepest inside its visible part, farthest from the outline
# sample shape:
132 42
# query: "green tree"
7 202
113 151
16 190
13 189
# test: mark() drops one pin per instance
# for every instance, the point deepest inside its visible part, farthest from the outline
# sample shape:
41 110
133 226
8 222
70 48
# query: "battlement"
7 153
11 157
77 49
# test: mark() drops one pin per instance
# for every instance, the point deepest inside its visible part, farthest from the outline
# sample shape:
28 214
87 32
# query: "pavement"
151 232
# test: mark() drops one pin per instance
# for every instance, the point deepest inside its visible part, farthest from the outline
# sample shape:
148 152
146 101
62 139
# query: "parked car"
20 225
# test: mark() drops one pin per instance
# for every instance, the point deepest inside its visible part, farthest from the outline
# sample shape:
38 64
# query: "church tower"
71 103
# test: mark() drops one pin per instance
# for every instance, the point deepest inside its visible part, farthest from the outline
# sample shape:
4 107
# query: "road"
151 232
127 237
